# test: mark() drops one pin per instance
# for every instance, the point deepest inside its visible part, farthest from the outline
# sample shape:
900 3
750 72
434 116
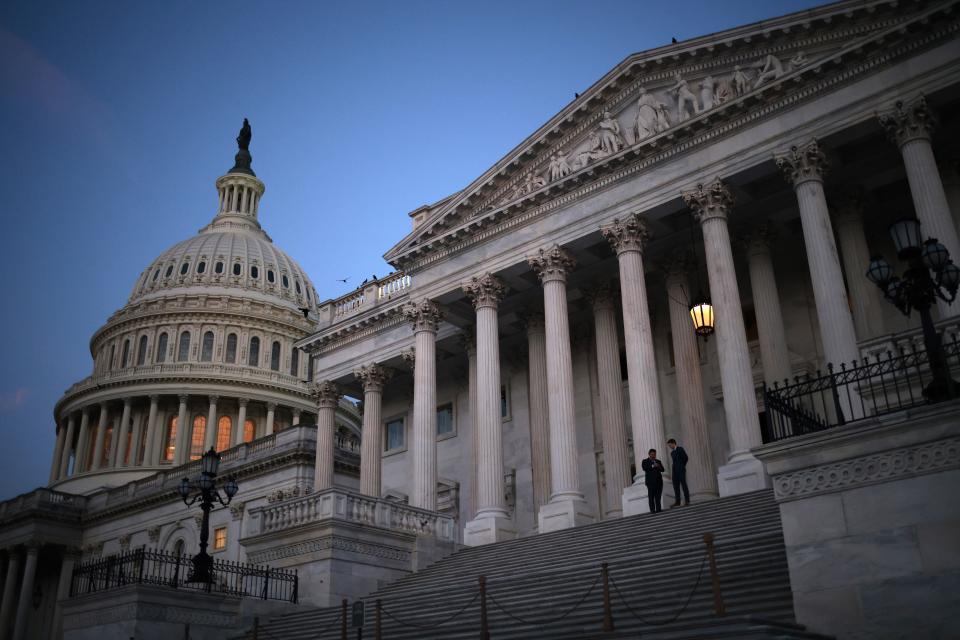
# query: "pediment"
661 99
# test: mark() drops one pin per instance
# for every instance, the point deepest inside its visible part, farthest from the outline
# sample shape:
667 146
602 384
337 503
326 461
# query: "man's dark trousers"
654 493
679 459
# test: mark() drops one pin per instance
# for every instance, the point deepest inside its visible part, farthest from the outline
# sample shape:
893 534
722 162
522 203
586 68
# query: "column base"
742 474
564 512
635 498
488 528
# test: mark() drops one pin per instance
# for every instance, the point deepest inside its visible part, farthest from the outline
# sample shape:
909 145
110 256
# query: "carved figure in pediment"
593 152
663 117
610 139
559 167
740 81
707 86
798 61
722 91
686 102
647 122
770 69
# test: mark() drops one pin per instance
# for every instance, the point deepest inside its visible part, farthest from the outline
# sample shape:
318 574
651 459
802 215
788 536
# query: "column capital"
127 402
409 357
484 291
243 401
424 315
602 296
709 201
104 406
213 399
760 240
629 234
271 406
85 411
676 265
327 394
908 121
154 398
533 322
373 376
183 397
803 163
552 263
847 207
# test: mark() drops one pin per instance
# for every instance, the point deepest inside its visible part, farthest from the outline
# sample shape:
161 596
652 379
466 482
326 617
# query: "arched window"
275 356
201 267
254 359
271 278
231 355
162 347
237 268
184 267
178 548
196 438
295 362
249 430
170 441
254 272
125 357
218 268
169 271
183 351
156 274
113 353
286 282
142 351
206 353
224 427
297 285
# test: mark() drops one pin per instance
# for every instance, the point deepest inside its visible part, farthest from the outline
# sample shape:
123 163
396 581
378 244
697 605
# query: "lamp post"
930 275
701 312
207 493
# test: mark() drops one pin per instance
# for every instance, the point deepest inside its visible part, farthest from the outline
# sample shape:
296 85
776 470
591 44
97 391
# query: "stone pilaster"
711 206
373 377
83 442
296 417
136 432
492 522
271 414
210 433
424 317
567 506
864 295
804 167
101 437
181 451
328 396
152 453
118 446
25 602
241 420
68 448
694 432
57 453
910 126
766 305
628 237
539 409
613 423
9 602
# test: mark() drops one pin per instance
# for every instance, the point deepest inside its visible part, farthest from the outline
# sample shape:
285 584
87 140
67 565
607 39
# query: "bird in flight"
343 280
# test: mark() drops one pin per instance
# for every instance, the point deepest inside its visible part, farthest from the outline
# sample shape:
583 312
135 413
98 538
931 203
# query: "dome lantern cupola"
240 190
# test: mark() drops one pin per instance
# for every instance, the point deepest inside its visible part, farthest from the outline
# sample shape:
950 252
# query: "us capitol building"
679 253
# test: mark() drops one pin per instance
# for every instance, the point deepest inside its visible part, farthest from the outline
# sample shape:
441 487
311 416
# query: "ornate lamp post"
930 275
207 493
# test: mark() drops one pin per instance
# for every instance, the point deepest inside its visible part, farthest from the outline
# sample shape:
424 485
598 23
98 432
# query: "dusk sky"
116 118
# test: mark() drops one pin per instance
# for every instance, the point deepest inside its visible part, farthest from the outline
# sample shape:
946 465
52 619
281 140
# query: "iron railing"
143 566
887 383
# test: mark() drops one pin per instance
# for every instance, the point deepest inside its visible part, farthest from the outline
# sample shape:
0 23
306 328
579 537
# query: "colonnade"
20 569
139 431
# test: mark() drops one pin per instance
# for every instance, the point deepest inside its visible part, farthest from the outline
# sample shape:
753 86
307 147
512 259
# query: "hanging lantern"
702 314
907 238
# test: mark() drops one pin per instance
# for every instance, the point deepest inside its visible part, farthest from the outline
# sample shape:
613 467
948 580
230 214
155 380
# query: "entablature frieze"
892 39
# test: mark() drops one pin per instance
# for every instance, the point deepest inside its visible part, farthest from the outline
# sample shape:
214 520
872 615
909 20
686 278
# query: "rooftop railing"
40 500
368 295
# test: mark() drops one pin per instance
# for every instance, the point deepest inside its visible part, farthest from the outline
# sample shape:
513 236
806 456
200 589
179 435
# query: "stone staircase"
660 584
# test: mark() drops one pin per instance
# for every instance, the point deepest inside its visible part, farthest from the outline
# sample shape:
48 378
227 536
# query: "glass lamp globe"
702 315
184 488
906 237
879 272
205 482
950 277
210 462
231 487
935 255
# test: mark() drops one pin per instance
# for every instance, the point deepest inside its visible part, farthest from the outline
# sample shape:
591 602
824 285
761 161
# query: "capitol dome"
201 355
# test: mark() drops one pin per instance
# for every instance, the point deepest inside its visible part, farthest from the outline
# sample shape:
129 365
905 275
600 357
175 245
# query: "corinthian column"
83 442
627 238
57 453
424 316
539 411
864 296
804 167
241 421
910 126
101 436
26 592
492 522
119 444
567 506
711 205
151 452
8 605
616 460
373 377
694 434
469 343
210 434
67 448
328 396
766 304
271 414
181 451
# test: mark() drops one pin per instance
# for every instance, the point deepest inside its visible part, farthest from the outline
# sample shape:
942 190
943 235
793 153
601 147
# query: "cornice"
850 61
355 329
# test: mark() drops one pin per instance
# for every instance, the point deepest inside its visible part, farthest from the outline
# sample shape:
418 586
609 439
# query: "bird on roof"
673 40
575 95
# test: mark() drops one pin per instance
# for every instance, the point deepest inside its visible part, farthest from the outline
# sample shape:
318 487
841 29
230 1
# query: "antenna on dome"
241 162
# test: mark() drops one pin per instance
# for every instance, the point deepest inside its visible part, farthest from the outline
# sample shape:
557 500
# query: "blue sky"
117 117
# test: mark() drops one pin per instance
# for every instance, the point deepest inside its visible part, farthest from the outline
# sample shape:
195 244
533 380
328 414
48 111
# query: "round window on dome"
286 283
201 267
169 271
254 272
271 278
183 268
218 268
237 269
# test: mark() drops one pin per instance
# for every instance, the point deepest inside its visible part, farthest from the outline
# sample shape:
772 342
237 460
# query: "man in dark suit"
678 459
653 478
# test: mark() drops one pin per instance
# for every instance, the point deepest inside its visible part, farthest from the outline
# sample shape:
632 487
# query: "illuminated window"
249 430
224 427
206 352
170 445
275 356
196 438
162 348
254 359
219 538
184 351
445 419
393 434
142 351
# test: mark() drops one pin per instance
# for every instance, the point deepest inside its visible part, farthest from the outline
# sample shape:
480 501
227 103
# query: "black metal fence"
143 566
888 383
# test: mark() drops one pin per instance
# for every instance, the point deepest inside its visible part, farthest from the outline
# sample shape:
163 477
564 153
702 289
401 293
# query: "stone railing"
908 340
340 505
367 296
176 369
42 500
